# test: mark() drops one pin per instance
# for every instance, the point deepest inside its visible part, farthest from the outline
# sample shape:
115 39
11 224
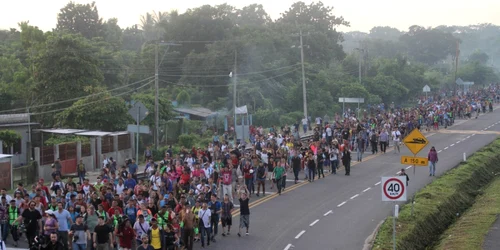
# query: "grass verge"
469 231
438 204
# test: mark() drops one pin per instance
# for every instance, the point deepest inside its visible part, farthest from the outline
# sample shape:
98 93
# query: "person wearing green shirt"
162 217
278 174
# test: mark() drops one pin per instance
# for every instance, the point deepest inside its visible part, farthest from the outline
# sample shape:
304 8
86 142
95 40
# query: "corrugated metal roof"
18 124
62 131
93 133
202 112
14 118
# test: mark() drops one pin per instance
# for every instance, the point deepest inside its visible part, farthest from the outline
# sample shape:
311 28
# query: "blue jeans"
432 168
79 246
335 166
305 128
204 231
5 231
312 172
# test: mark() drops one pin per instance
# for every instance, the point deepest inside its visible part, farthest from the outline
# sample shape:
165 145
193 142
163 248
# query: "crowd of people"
187 196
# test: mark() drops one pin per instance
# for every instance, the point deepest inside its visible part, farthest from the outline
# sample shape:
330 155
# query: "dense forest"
83 73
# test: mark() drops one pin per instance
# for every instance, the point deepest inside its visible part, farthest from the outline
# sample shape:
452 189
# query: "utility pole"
457 54
234 92
157 93
304 93
361 54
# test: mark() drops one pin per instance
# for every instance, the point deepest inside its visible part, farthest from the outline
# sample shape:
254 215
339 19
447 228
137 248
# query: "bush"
291 118
188 140
436 205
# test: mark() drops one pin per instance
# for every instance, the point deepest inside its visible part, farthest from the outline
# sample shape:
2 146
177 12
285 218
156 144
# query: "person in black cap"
80 234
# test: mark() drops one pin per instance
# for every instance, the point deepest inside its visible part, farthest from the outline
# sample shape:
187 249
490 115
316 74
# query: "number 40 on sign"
394 188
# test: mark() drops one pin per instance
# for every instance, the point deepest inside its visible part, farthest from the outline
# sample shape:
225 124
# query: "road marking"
314 222
341 204
468 137
408 167
457 142
354 196
288 246
473 134
440 151
327 213
300 234
367 189
452 145
445 148
299 181
377 183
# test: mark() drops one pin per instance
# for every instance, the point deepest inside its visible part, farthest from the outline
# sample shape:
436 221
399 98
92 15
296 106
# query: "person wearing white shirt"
396 138
205 215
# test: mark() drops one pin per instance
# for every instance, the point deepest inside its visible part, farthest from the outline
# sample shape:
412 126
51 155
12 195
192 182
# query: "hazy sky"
362 14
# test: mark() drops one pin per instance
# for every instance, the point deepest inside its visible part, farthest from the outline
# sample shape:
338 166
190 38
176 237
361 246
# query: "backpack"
374 137
261 171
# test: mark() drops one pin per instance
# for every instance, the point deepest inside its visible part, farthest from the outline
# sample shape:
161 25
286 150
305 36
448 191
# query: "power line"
226 75
227 85
75 99
86 104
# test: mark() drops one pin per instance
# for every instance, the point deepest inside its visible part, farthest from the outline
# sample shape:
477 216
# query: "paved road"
340 212
301 217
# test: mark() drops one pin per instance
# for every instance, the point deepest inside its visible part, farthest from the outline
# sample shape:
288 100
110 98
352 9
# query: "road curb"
371 239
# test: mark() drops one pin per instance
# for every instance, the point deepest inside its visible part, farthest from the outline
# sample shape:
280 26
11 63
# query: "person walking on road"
346 160
433 159
296 166
244 213
396 138
403 173
278 171
384 140
311 165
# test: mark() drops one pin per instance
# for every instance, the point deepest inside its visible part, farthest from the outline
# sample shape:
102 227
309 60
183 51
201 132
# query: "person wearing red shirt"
248 173
44 188
111 210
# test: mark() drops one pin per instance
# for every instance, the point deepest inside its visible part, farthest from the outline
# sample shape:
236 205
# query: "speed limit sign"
394 188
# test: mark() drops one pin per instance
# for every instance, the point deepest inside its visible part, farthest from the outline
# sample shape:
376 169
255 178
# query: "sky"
362 14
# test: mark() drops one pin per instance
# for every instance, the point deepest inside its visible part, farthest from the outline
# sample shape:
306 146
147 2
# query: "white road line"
377 183
452 145
327 213
445 148
473 134
367 189
314 222
288 247
300 234
408 167
398 172
341 204
468 137
440 151
457 142
354 196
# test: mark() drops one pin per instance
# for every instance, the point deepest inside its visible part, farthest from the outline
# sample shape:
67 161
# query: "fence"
124 142
25 174
86 150
67 151
47 155
107 144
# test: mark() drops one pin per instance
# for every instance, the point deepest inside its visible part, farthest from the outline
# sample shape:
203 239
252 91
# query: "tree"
112 33
428 45
9 137
479 56
183 98
102 112
80 19
65 68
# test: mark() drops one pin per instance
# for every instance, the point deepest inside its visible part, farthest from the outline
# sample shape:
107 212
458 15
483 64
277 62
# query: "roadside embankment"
439 204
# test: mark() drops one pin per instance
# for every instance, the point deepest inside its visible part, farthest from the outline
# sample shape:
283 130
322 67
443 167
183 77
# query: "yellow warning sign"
415 141
410 160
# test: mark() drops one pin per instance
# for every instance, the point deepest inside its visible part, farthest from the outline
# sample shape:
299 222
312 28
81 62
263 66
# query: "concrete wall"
20 159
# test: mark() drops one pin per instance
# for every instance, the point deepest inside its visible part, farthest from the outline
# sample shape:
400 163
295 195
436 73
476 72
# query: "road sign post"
139 112
394 189
415 142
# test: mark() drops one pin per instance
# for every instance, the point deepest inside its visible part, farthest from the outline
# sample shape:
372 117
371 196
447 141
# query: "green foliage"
80 19
436 205
183 98
56 140
107 113
291 118
188 140
9 137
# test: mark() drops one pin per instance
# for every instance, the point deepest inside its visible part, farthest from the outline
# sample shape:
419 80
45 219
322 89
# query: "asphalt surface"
492 240
340 212
301 218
